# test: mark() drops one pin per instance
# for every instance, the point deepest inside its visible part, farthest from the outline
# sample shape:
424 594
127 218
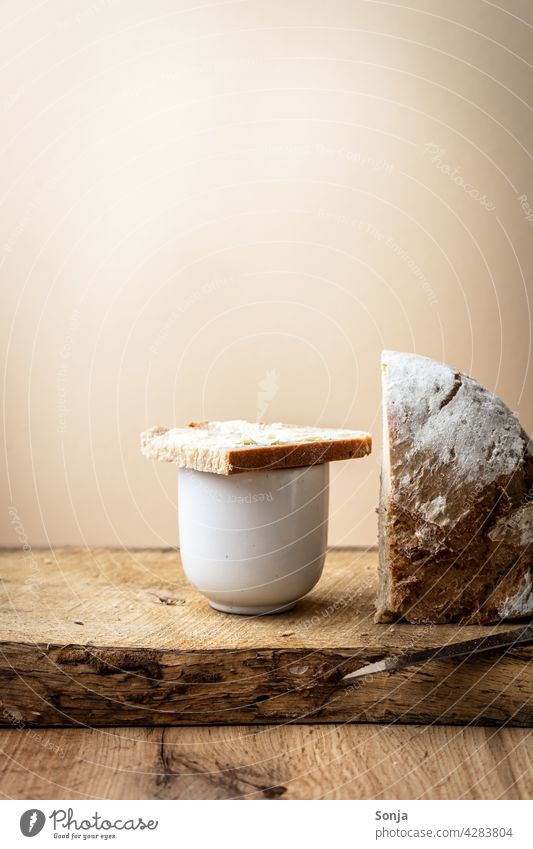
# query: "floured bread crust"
227 448
456 502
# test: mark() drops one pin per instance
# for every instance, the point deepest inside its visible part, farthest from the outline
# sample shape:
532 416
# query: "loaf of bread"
456 502
230 447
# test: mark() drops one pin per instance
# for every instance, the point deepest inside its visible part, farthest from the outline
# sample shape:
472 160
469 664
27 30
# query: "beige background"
227 209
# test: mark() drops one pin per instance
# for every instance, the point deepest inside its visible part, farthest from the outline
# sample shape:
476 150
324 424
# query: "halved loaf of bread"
456 505
230 447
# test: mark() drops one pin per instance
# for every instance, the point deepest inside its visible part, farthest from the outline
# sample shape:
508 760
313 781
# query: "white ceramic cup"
254 543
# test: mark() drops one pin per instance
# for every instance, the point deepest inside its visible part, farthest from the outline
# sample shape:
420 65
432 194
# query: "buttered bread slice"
230 447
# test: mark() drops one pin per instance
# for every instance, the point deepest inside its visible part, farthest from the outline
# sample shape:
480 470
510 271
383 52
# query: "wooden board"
109 637
268 762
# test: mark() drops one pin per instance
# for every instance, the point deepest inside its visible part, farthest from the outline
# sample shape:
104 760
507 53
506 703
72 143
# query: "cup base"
259 610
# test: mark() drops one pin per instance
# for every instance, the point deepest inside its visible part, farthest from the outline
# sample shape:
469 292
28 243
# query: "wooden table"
64 616
281 762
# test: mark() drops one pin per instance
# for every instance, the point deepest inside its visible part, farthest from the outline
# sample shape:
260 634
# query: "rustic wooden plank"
98 637
281 762
142 599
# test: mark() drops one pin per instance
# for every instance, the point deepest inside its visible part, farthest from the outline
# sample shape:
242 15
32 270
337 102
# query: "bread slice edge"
157 445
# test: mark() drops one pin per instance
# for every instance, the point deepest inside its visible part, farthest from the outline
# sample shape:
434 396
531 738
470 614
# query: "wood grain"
281 762
100 636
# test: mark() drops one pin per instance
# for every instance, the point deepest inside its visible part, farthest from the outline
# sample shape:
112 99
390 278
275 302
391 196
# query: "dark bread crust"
456 510
292 456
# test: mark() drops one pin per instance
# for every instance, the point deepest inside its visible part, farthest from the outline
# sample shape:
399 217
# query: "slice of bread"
456 504
227 448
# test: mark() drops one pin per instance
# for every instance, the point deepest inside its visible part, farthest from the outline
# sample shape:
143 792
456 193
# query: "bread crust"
456 511
157 445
